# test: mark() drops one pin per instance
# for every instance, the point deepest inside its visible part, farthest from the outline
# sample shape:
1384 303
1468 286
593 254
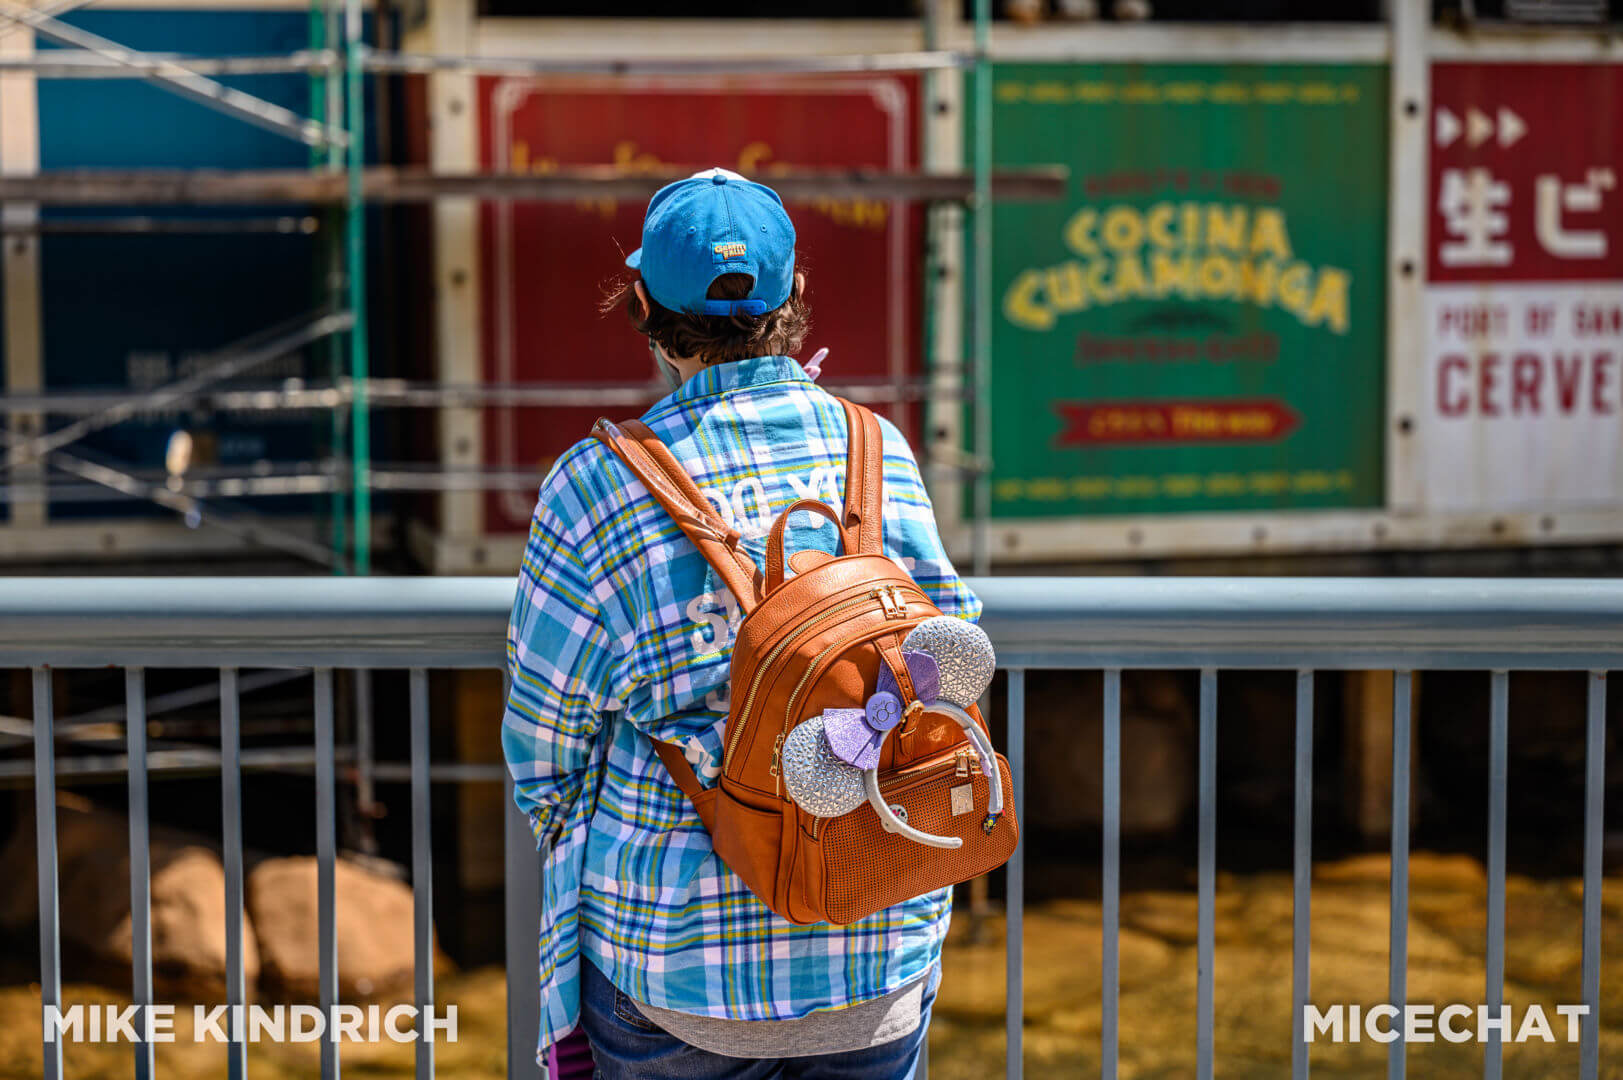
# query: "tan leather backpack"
939 805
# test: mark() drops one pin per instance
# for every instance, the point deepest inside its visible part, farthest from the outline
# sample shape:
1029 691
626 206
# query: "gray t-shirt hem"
827 1031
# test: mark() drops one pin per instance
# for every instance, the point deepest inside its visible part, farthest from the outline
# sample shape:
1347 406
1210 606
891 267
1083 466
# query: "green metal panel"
1199 326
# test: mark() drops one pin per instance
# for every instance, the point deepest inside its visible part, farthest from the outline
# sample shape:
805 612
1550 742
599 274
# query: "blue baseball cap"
713 223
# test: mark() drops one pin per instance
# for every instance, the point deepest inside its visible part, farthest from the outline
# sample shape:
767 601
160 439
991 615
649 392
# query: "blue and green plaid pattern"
620 631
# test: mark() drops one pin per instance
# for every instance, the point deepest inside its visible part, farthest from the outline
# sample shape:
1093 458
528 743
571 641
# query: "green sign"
1200 325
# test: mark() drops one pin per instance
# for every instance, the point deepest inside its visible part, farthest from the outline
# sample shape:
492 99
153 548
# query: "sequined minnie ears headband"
831 760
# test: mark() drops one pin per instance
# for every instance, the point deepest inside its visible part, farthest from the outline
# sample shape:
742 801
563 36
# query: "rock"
374 928
93 874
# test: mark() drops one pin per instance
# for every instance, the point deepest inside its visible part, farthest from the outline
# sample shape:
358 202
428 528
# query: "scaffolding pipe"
179 79
295 395
155 226
981 287
326 29
208 187
856 63
82 64
355 268
244 356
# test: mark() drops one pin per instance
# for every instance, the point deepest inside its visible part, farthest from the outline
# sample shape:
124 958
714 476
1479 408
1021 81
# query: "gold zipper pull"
962 759
777 754
890 599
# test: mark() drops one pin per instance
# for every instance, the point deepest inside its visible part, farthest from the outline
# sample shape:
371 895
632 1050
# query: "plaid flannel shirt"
621 631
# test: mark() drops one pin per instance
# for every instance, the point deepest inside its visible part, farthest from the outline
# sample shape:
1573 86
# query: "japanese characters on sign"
1523 390
1199 326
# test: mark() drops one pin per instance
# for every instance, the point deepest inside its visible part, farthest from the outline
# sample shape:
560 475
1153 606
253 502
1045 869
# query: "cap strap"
735 307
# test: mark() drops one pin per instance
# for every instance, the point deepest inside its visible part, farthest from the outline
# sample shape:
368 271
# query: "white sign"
1523 396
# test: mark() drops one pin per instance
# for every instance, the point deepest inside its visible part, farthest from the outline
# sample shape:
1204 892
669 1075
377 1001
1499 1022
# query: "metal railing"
1301 625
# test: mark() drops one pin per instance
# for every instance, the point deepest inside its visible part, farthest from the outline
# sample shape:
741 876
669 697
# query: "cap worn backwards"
713 223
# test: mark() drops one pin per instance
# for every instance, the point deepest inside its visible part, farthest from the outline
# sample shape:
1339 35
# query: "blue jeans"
628 1046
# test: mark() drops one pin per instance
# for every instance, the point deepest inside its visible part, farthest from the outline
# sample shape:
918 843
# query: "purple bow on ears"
855 735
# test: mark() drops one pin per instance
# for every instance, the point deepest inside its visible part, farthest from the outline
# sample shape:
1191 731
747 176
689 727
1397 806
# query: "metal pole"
1398 924
135 736
1206 874
50 932
1014 1010
981 288
355 267
226 363
176 77
326 865
1594 840
326 29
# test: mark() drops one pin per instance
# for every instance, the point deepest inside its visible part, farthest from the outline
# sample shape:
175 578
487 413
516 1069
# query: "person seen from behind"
621 633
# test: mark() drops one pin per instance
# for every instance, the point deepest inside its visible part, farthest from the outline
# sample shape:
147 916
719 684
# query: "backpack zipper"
890 592
765 665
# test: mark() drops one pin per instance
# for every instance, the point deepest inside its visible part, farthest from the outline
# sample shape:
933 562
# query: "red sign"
1524 302
1526 160
546 264
1120 422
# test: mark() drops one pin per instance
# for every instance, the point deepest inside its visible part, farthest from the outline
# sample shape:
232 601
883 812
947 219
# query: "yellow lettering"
1077 232
1064 287
1172 273
751 157
1218 276
1330 300
1130 277
1190 212
1159 226
1096 282
1023 305
1123 229
1257 281
1225 228
1293 286
1268 234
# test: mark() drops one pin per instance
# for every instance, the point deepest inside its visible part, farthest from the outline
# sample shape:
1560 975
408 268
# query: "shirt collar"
716 379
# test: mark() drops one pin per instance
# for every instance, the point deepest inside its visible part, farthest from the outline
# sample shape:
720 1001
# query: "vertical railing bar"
422 867
1110 887
1398 949
231 829
364 797
522 894
50 940
1207 874
1014 945
1302 876
135 741
326 865
1498 774
1594 835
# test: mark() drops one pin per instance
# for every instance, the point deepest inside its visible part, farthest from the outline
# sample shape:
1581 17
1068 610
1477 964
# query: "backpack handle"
774 540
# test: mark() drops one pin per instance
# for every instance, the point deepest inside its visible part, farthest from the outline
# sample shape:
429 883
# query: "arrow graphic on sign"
1511 127
1448 127
1478 127
1211 421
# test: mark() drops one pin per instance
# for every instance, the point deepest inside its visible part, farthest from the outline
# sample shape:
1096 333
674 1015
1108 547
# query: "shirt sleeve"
916 540
561 658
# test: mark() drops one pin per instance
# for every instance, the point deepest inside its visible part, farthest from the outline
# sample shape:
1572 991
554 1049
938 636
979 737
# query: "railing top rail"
1035 622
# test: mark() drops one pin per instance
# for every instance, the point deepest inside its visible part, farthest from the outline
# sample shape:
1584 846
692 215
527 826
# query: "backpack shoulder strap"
651 461
864 479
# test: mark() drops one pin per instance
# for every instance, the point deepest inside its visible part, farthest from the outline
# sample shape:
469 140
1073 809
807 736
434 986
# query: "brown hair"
716 339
